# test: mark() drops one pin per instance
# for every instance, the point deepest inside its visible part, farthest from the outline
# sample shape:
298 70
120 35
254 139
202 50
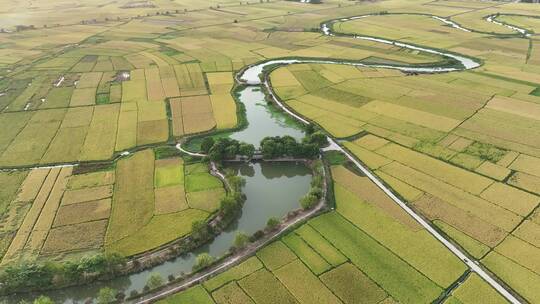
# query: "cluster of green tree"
287 146
230 207
27 276
316 192
226 148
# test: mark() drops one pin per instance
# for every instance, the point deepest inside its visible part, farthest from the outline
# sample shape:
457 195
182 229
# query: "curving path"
257 75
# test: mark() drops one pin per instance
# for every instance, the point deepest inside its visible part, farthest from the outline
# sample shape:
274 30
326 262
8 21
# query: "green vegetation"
116 84
29 276
309 256
226 148
235 273
275 255
287 146
154 281
352 286
404 283
106 295
203 260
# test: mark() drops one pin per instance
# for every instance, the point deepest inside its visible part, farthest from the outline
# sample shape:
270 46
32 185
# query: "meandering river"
272 189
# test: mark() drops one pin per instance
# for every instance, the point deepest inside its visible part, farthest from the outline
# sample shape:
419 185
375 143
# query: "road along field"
462 147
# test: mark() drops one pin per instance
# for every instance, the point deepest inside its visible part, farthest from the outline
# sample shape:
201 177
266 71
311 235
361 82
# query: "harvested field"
83 212
68 238
90 180
87 194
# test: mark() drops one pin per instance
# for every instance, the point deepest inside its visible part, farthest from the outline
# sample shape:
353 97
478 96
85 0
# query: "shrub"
308 201
272 223
43 300
154 280
106 295
203 260
200 230
240 240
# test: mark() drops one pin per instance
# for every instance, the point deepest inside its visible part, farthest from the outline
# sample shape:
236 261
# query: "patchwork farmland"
102 201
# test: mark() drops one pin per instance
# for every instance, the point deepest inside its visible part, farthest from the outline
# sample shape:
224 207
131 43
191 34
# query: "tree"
154 280
207 144
240 240
199 230
236 182
28 275
317 192
318 138
269 148
228 205
246 150
43 300
272 223
203 260
106 295
308 201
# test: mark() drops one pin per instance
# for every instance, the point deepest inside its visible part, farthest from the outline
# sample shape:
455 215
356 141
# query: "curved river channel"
272 189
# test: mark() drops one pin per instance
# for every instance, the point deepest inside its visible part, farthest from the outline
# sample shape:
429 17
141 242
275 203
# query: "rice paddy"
101 84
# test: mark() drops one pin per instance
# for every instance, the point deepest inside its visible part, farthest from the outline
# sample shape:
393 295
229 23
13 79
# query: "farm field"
94 96
65 213
345 256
